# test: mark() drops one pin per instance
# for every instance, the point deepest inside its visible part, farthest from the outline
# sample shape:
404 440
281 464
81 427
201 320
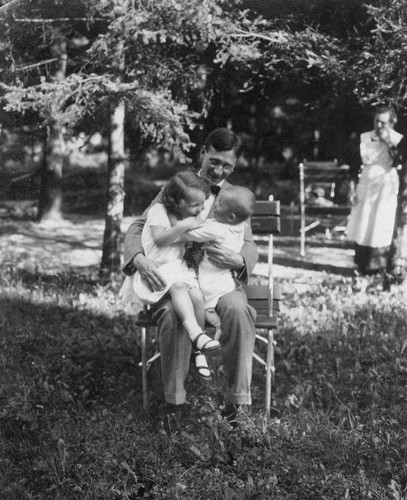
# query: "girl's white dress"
371 222
168 260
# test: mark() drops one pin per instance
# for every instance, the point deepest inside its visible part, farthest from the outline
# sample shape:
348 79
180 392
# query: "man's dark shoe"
171 418
177 410
233 413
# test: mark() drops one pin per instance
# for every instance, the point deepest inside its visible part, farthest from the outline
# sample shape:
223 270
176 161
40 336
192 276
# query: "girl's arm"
163 236
207 232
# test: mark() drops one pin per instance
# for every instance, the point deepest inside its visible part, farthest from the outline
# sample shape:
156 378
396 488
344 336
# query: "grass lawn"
72 424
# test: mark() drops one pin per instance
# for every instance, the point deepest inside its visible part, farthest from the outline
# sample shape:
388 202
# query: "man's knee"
235 304
164 314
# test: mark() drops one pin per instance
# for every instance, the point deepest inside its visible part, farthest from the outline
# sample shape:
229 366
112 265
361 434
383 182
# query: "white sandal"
204 343
202 365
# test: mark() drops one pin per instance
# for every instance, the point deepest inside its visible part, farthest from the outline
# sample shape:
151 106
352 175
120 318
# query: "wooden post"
292 218
144 368
302 208
270 336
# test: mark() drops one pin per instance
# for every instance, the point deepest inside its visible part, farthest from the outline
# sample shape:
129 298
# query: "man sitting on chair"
218 158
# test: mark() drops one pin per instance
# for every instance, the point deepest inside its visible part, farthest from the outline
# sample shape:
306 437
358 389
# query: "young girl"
163 243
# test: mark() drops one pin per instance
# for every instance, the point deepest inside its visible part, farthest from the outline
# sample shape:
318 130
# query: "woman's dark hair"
224 139
177 189
386 109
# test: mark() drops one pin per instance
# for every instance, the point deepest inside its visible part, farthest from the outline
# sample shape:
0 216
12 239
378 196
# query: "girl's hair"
224 139
177 189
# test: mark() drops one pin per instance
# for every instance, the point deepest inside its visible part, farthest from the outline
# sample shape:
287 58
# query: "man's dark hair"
224 139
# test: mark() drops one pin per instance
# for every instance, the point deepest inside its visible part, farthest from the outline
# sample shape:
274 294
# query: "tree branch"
35 65
57 19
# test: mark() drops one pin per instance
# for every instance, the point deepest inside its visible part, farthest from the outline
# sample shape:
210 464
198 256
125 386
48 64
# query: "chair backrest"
266 218
265 221
323 173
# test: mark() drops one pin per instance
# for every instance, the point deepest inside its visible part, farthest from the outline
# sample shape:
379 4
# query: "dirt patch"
76 244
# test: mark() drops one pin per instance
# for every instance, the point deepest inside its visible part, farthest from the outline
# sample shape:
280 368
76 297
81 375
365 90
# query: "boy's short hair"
241 202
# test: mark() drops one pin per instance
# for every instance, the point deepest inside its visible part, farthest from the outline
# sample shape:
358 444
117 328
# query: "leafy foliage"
179 38
234 49
381 68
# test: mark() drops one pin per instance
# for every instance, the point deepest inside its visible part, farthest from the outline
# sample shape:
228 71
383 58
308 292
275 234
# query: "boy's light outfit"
214 281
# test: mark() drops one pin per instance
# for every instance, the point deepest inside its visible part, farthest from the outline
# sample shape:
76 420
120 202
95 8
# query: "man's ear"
181 202
203 151
232 217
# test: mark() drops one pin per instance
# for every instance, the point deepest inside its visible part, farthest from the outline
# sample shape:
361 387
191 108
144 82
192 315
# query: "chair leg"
144 368
270 368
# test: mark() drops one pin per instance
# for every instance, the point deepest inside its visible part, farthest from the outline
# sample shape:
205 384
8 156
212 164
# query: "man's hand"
149 273
223 257
384 135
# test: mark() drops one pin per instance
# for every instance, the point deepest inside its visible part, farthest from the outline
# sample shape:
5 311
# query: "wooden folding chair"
325 174
264 298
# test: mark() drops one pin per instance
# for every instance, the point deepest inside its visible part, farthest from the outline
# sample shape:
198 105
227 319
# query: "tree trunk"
112 239
396 270
50 198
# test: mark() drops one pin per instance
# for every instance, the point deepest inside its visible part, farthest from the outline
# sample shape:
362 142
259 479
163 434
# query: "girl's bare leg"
184 308
213 318
198 303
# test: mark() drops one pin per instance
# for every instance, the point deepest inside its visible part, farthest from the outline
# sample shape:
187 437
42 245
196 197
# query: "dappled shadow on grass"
72 424
60 366
69 347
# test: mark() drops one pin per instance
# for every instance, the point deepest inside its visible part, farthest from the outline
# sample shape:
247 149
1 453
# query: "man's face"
216 165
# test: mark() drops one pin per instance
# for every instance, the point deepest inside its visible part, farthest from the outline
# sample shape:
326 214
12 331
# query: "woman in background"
372 219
